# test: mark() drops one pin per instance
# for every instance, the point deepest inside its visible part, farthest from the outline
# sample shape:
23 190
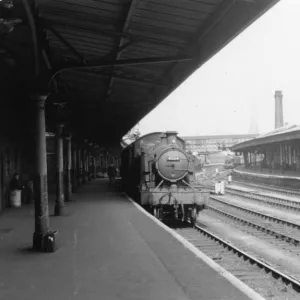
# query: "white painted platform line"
232 279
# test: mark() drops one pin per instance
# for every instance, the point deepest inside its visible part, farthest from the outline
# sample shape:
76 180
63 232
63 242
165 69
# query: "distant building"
214 143
280 148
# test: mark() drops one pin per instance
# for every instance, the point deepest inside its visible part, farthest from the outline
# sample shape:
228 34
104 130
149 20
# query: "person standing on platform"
15 183
15 191
111 172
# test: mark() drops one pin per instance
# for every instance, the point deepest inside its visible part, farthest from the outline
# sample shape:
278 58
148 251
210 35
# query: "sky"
221 95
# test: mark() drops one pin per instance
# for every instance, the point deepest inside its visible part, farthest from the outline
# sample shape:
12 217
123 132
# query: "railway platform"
288 179
108 249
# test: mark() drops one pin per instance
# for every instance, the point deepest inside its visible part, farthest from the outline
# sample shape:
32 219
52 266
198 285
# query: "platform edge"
220 270
266 175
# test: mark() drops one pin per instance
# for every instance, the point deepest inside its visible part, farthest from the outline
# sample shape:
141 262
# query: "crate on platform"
15 198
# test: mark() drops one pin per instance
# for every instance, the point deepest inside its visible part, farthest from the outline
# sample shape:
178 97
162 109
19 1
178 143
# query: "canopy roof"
118 59
285 133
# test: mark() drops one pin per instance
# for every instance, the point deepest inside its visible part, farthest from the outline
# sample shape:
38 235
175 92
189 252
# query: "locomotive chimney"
163 139
171 135
278 110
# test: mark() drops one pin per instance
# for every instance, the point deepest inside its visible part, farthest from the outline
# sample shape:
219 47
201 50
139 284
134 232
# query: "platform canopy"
115 60
283 134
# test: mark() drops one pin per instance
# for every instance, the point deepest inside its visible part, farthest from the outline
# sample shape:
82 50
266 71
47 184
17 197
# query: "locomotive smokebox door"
173 165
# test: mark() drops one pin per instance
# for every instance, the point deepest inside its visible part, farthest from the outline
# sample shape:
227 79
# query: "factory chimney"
278 110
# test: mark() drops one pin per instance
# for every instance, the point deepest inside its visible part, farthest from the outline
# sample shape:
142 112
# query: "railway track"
271 188
268 281
280 231
256 213
273 200
256 225
259 274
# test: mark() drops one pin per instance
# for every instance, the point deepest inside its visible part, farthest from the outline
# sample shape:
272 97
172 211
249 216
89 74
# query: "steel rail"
263 265
257 197
253 212
277 235
288 191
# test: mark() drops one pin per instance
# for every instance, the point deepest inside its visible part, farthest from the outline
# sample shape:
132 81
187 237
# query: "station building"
274 157
215 143
280 149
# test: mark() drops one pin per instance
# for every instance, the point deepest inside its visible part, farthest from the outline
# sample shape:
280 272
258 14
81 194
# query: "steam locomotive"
159 174
232 162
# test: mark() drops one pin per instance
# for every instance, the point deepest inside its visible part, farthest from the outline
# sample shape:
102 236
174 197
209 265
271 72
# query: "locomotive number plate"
173 158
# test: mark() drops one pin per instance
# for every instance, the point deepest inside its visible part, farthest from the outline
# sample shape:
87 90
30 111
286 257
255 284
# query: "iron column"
79 167
94 167
83 162
89 164
74 168
43 238
60 197
69 167
100 163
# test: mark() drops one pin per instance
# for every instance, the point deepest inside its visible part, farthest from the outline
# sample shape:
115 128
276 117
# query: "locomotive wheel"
194 215
179 213
160 214
176 214
155 212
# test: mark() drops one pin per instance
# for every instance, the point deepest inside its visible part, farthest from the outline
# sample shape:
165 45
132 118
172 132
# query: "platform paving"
108 250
